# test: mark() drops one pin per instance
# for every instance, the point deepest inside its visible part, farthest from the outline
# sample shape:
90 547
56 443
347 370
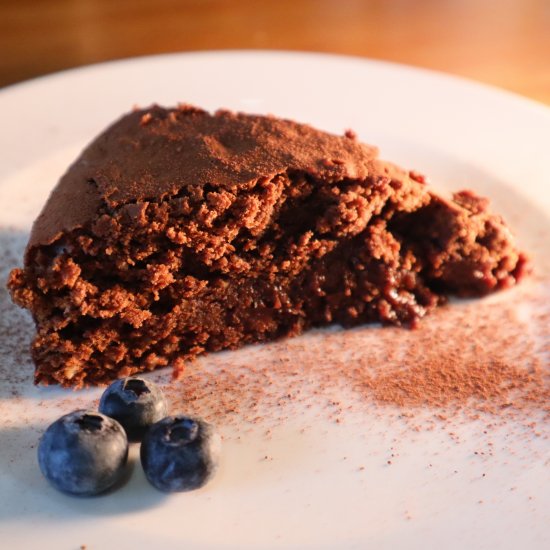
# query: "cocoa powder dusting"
467 359
16 327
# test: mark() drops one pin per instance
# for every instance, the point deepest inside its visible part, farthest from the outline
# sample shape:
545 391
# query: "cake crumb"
145 119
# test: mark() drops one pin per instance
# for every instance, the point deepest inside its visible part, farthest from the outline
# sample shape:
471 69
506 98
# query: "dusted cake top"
157 152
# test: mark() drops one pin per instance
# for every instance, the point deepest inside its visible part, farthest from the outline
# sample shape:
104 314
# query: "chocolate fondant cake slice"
178 232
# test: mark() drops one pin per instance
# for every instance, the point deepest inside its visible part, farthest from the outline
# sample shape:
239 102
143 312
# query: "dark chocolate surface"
156 152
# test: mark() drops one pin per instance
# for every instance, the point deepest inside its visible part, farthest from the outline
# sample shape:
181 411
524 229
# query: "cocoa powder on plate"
476 357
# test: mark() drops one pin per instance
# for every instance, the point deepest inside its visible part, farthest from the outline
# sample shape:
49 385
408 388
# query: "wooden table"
501 42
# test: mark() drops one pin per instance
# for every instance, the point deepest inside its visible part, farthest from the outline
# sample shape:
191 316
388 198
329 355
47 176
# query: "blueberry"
136 403
83 453
180 453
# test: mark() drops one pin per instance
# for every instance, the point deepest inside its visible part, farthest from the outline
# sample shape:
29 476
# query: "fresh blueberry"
136 403
180 453
83 453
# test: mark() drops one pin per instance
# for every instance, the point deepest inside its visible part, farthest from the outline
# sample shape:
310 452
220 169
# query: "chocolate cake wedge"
179 232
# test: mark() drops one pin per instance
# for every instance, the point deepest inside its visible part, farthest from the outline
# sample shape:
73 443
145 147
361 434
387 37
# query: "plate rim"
420 71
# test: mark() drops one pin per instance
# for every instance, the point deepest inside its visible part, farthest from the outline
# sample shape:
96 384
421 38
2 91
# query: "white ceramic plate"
303 475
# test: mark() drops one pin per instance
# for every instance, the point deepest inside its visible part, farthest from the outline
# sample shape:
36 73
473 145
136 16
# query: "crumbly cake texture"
179 232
